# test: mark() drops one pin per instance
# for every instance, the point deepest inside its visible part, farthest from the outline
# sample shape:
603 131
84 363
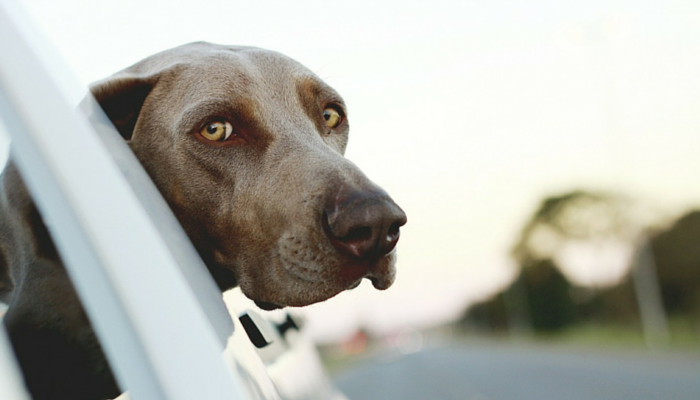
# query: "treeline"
662 282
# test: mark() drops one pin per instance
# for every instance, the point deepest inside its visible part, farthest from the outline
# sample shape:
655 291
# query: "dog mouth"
267 306
313 287
302 270
377 283
354 285
379 272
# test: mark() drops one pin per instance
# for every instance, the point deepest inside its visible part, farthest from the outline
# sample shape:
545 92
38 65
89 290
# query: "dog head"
246 146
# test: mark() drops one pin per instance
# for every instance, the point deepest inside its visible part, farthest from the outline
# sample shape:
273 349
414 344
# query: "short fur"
276 210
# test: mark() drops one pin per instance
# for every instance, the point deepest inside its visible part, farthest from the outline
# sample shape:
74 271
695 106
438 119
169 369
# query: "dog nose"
363 224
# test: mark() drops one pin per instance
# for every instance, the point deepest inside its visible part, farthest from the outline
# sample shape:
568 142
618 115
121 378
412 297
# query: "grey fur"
277 210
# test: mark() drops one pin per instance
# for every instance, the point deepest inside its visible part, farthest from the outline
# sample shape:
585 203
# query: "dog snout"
363 224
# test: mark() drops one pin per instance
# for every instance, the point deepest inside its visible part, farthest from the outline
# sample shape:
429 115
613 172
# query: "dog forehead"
200 71
234 67
201 80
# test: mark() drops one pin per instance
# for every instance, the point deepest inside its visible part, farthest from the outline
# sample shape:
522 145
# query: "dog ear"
121 97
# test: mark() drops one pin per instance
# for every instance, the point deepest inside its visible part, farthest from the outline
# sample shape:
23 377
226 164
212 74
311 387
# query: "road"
524 373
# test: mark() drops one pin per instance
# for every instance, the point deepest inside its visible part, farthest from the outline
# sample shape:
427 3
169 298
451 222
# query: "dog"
246 146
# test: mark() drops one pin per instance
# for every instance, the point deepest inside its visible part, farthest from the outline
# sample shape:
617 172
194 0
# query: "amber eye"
217 131
332 117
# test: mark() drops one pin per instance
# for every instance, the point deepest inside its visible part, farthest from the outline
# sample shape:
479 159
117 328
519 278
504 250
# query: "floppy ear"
121 97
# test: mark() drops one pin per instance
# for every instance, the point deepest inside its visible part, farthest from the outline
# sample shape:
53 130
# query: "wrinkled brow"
314 95
242 113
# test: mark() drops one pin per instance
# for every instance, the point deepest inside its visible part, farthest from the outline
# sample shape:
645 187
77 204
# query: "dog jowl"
246 146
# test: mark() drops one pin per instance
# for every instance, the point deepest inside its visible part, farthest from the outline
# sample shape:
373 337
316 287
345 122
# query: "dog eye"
217 131
332 117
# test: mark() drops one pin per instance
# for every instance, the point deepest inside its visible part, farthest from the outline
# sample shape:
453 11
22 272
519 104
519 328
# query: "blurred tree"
549 301
584 221
579 230
656 272
677 255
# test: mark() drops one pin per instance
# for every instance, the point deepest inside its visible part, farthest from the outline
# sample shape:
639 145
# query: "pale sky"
468 113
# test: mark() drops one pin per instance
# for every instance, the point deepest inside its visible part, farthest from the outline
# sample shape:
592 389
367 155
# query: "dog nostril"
394 231
358 241
358 235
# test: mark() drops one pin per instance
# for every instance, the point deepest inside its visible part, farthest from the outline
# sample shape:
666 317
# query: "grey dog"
246 146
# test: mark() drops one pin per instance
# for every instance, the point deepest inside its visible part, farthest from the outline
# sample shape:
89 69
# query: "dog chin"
311 286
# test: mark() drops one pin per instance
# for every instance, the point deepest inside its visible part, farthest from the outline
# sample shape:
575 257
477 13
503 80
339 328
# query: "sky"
467 113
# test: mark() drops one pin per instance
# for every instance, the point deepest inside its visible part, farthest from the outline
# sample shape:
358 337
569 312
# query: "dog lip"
380 284
352 272
355 285
267 306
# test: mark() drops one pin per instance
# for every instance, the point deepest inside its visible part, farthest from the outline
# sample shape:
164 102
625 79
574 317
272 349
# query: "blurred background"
546 153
